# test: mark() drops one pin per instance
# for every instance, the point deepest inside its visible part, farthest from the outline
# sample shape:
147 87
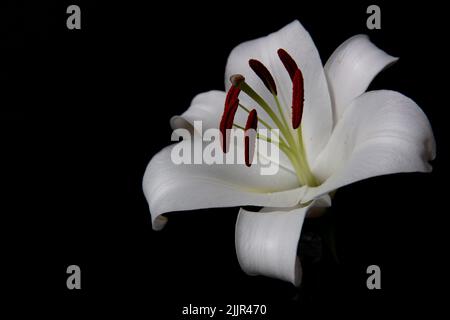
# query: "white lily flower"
335 134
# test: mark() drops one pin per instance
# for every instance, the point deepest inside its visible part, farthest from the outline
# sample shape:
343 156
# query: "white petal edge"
169 187
350 70
266 241
381 132
317 114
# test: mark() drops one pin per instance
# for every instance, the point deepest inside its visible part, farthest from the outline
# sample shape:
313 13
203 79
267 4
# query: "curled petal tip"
266 243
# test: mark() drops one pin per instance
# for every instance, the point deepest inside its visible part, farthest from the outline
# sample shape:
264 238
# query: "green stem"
304 161
280 110
297 167
259 119
259 100
265 124
263 137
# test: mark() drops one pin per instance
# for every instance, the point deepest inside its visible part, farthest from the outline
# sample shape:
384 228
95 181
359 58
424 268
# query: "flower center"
291 138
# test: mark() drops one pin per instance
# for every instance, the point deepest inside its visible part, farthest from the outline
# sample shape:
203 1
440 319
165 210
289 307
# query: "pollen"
250 136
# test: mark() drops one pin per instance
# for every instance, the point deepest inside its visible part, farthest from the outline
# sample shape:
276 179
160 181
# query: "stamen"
231 106
232 94
239 81
286 142
264 74
288 62
297 99
250 133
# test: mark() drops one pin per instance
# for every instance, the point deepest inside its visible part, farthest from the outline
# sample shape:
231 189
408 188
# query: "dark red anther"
264 74
226 122
232 94
250 136
288 62
298 93
297 99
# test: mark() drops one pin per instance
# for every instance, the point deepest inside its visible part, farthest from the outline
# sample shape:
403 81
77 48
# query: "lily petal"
267 241
170 187
317 115
350 70
207 107
381 132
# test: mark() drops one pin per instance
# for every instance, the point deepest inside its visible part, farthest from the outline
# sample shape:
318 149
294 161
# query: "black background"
84 111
